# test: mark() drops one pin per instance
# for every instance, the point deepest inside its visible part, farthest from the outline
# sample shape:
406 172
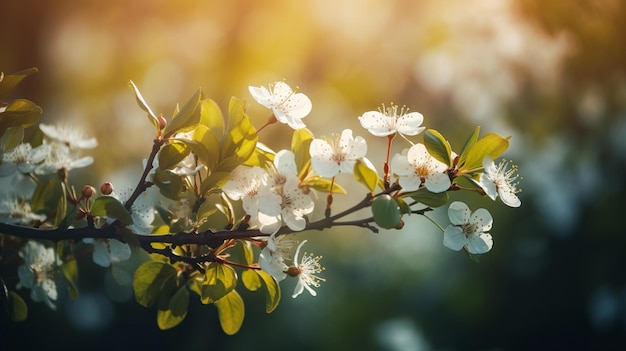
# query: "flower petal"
482 220
453 238
410 123
438 182
479 244
459 213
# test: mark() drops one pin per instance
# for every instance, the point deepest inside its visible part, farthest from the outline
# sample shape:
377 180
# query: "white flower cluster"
271 197
37 272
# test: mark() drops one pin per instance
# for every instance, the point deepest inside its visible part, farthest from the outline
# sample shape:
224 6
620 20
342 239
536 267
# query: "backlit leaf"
110 207
272 291
148 281
186 118
437 146
219 280
230 310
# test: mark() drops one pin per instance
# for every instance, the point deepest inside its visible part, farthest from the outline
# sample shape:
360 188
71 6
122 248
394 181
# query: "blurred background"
550 74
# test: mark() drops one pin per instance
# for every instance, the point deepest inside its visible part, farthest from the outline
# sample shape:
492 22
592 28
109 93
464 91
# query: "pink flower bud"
88 191
106 188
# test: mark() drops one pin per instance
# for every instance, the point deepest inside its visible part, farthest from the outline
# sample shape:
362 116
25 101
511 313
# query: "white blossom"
337 154
37 272
288 106
497 180
390 120
73 137
273 255
468 230
107 251
417 166
58 157
22 158
16 211
260 201
306 270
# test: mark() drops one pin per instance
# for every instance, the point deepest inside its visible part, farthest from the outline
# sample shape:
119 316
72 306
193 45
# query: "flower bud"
106 188
162 122
293 271
88 191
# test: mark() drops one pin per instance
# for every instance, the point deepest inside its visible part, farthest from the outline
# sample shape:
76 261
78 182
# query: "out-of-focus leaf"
110 207
438 146
186 118
46 196
148 281
230 310
386 211
272 291
8 82
70 272
20 112
12 138
18 310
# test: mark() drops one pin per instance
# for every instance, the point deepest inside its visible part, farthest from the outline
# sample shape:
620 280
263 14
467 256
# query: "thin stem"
435 223
142 185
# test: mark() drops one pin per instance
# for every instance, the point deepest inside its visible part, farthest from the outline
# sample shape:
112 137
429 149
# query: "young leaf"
471 140
148 281
110 207
8 82
250 279
492 145
230 310
186 118
428 198
143 105
438 146
365 173
211 117
386 211
172 153
240 139
19 112
18 310
322 184
219 280
300 143
272 290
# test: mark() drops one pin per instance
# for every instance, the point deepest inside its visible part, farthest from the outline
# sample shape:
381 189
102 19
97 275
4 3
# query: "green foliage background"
551 74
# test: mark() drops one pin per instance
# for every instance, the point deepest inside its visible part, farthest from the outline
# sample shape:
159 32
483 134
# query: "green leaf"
386 211
108 206
176 311
250 279
19 112
272 291
211 214
211 117
186 118
261 156
471 140
205 145
230 310
172 153
438 146
70 272
8 82
143 105
148 281
12 138
219 280
241 137
300 143
18 310
46 196
322 184
428 198
404 207
492 145
365 173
